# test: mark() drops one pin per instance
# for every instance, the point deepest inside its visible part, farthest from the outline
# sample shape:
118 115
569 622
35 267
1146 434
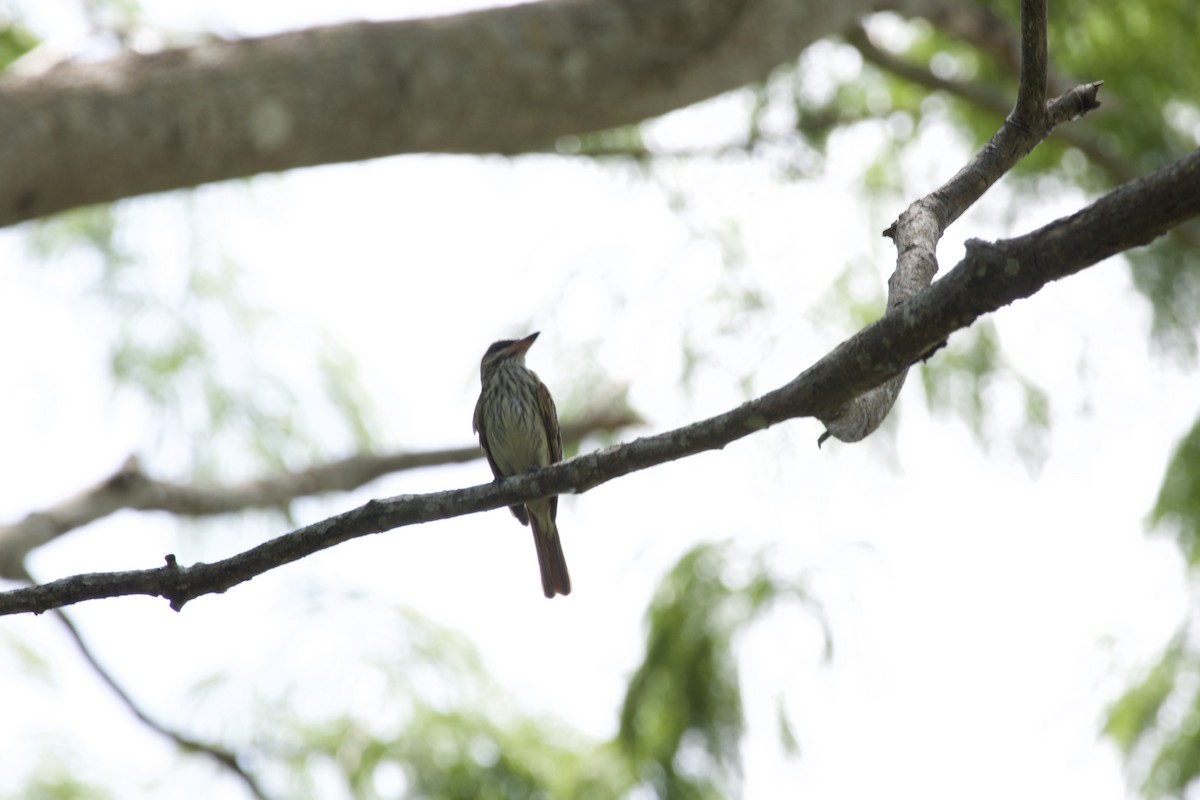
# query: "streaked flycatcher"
518 430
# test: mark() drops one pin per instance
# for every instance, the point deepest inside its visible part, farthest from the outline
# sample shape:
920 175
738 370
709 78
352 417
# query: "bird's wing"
477 426
553 435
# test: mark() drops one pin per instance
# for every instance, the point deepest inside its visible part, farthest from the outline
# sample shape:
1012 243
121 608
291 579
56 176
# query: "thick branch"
989 277
130 488
504 80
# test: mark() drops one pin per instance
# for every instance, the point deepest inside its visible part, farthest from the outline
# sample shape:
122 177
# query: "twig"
221 756
989 277
1116 168
987 99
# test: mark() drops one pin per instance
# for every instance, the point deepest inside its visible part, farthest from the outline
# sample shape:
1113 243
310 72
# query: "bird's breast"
516 435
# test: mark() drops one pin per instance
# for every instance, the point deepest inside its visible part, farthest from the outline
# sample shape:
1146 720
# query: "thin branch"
990 276
979 95
224 758
987 99
979 26
1031 91
130 488
919 229
984 98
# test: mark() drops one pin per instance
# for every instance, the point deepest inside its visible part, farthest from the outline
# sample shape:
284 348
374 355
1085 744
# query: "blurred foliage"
15 41
623 143
681 721
970 374
1178 505
28 661
1165 272
430 722
444 729
203 355
460 753
119 20
1156 722
1134 715
53 779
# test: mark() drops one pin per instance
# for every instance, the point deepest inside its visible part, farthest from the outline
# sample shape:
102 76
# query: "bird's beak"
521 346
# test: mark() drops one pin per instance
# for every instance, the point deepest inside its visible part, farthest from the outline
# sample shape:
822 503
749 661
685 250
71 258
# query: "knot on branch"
173 583
1074 103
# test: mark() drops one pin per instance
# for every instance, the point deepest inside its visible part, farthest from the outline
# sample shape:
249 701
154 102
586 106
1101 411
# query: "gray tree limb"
504 80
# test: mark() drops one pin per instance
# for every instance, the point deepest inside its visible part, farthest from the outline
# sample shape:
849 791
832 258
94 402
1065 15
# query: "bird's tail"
555 579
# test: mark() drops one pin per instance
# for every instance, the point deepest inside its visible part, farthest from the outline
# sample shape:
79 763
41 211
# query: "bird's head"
505 350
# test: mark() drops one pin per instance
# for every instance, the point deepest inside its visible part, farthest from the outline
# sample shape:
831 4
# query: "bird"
518 430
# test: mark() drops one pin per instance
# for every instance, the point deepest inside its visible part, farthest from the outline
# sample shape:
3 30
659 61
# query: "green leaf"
1136 712
15 41
682 721
1178 503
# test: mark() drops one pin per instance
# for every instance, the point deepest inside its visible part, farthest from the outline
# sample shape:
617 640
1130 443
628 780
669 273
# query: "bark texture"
505 80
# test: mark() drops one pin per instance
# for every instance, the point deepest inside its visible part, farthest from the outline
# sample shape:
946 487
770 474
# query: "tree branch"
986 99
224 758
1116 168
990 276
503 80
130 488
919 229
978 25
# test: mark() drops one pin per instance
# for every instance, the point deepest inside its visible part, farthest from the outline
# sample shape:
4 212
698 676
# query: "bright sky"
983 614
